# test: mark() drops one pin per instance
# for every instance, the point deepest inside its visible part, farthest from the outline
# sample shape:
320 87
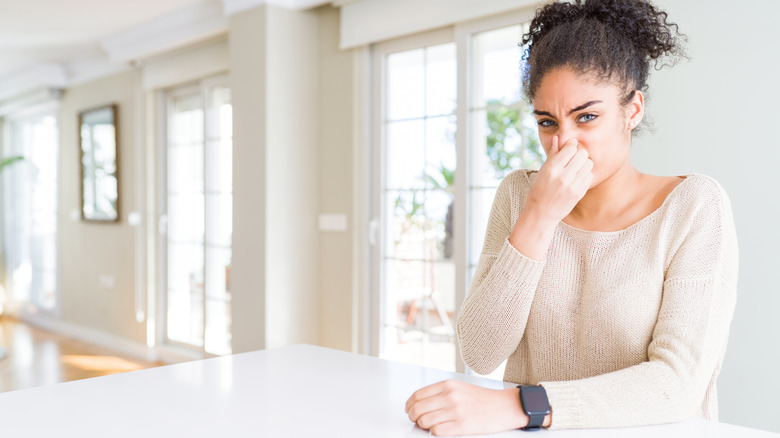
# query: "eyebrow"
574 110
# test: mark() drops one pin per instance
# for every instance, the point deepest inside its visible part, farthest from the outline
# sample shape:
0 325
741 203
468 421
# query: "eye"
545 123
586 118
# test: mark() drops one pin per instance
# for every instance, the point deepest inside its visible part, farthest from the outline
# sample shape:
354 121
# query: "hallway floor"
37 357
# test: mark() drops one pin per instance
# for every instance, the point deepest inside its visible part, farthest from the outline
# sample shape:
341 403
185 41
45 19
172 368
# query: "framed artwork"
99 164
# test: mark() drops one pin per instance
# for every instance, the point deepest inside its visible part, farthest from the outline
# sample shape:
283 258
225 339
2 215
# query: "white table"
299 391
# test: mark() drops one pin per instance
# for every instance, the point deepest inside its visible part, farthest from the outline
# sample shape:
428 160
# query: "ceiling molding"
39 76
186 26
370 21
305 4
86 70
232 7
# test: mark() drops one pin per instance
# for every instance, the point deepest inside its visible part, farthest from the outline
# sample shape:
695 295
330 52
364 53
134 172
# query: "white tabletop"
298 391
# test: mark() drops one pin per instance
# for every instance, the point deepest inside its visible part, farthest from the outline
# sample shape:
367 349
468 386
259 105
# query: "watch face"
534 400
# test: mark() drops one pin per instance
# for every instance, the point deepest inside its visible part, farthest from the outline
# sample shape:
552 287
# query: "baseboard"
109 341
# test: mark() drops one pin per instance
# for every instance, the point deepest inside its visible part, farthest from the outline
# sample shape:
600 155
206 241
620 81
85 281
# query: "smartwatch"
533 400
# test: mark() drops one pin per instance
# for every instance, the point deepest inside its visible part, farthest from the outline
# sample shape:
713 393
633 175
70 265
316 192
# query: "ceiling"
67 34
56 31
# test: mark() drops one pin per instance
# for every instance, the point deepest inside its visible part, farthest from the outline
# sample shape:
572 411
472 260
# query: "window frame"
462 35
32 112
202 87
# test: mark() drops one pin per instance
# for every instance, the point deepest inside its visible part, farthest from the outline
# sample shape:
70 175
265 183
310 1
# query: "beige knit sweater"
622 328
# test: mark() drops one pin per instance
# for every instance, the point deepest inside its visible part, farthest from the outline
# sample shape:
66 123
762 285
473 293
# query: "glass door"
198 216
417 273
30 211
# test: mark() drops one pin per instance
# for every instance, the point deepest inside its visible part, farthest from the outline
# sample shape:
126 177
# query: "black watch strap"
535 422
533 400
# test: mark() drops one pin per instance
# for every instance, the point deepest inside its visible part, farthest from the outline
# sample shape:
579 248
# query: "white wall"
292 182
275 89
248 80
717 115
88 250
336 187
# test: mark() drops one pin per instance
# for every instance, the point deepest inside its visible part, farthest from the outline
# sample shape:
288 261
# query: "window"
199 216
446 98
30 210
418 290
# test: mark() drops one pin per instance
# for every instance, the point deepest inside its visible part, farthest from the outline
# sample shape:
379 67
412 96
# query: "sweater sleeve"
493 317
688 341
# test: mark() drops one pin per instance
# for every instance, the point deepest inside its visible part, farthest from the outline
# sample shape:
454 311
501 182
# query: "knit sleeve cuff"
565 404
520 270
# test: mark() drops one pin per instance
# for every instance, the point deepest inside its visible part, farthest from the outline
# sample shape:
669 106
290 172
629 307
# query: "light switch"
333 222
134 219
107 282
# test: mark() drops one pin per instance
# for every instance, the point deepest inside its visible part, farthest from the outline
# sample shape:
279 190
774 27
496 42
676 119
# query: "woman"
607 290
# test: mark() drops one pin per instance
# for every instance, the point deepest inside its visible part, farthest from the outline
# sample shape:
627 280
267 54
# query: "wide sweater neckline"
636 224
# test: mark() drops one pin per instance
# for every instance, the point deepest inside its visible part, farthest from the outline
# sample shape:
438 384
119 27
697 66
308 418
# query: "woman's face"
573 106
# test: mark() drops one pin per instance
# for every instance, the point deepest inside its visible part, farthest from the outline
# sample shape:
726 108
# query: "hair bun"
646 26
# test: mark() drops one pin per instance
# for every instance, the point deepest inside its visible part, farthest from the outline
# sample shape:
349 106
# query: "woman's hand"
452 407
561 183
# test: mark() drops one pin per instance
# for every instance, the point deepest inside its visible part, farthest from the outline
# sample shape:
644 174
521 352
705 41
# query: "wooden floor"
37 358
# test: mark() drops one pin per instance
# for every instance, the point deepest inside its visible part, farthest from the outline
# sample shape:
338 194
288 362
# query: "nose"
565 133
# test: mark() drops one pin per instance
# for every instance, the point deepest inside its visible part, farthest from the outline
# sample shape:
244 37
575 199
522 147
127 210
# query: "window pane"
418 326
186 119
185 168
404 285
418 188
504 139
220 223
440 154
405 231
185 293
496 67
218 261
185 217
220 158
218 331
30 211
441 84
186 220
439 210
406 85
406 154
223 112
200 218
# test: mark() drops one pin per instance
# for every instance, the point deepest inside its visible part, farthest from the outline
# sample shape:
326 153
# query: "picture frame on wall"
98 140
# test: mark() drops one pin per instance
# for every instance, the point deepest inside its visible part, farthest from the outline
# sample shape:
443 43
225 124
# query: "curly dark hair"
615 40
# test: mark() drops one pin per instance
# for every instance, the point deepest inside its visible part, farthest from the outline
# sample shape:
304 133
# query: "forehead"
564 89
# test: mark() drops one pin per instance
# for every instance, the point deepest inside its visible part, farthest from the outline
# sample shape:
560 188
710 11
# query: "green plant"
511 144
5 162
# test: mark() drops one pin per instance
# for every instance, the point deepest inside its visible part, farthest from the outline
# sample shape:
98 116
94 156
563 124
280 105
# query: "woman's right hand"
562 181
